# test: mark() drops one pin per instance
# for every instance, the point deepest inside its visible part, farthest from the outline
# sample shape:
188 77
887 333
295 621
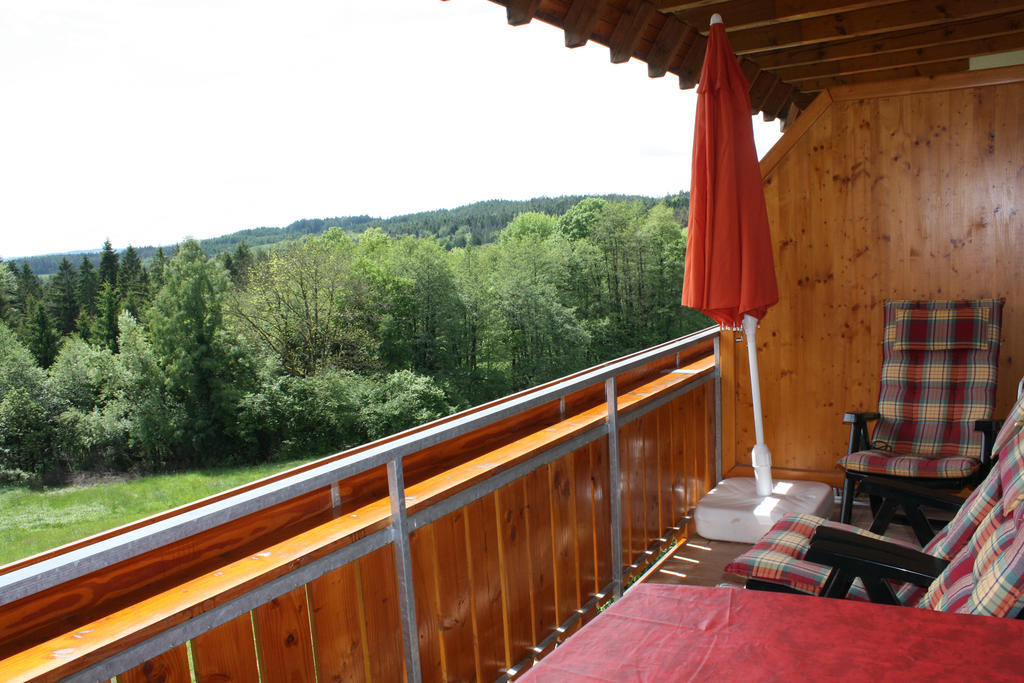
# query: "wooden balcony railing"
461 549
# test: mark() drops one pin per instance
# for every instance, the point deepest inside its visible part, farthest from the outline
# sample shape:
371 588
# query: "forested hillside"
472 224
322 343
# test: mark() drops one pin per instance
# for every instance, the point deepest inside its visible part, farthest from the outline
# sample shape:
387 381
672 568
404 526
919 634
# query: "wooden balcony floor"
699 561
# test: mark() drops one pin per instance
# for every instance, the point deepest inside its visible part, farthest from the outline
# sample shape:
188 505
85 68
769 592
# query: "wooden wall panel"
285 643
227 653
914 192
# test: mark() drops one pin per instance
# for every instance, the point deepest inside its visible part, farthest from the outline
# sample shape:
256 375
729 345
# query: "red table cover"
691 633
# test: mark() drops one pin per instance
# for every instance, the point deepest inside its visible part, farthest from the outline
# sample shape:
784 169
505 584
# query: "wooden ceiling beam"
580 21
762 86
904 58
627 33
520 12
689 69
902 40
869 22
744 14
935 69
777 102
670 39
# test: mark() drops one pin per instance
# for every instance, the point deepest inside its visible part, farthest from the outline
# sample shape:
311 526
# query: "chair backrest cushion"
939 363
986 570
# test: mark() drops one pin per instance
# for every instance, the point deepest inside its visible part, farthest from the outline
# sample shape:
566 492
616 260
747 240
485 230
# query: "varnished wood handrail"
97 644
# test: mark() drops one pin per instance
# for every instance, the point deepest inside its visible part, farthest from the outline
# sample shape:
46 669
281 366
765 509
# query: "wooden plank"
563 525
166 668
583 500
891 191
485 578
671 37
337 625
652 478
68 606
520 12
454 597
912 14
580 21
424 572
631 456
693 61
540 552
385 660
283 638
601 496
628 31
515 569
227 652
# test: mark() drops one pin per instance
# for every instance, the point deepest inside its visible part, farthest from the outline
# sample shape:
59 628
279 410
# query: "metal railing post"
403 565
718 409
611 395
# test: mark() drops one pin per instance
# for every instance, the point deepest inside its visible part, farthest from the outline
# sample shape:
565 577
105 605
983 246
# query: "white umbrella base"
732 511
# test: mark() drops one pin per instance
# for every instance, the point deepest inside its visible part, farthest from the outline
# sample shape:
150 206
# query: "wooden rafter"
790 49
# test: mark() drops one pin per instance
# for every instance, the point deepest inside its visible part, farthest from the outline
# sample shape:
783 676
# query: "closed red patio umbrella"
730 272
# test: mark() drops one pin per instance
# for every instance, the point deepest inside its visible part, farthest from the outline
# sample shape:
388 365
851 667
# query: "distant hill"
475 223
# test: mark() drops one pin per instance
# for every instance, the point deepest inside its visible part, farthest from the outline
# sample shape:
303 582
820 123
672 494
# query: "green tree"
29 287
309 307
206 371
88 288
241 262
104 325
156 270
108 265
26 424
529 224
86 383
402 400
578 222
156 421
63 297
9 310
41 337
132 285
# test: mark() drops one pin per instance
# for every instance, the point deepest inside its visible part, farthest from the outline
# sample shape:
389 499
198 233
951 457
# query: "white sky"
146 121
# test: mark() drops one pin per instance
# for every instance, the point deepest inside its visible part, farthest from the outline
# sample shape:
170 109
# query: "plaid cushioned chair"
939 362
978 558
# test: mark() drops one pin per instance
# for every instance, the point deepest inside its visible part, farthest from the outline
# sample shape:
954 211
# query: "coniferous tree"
108 264
241 261
88 287
9 311
104 325
156 271
40 336
29 286
131 281
206 373
64 297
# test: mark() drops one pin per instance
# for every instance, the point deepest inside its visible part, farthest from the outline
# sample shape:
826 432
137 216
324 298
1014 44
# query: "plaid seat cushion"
939 361
778 556
986 575
909 465
1009 444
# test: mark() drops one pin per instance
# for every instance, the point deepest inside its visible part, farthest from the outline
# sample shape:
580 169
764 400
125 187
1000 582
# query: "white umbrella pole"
760 456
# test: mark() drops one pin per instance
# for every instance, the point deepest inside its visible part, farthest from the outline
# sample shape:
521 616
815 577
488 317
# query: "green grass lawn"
35 520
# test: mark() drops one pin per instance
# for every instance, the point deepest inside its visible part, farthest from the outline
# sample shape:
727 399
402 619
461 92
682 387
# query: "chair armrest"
859 439
874 562
902 491
988 429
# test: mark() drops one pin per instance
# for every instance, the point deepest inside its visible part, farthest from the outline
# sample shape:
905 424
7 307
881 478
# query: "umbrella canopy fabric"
729 266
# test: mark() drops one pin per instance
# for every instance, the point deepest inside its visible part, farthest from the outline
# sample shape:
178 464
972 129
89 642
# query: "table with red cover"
678 633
